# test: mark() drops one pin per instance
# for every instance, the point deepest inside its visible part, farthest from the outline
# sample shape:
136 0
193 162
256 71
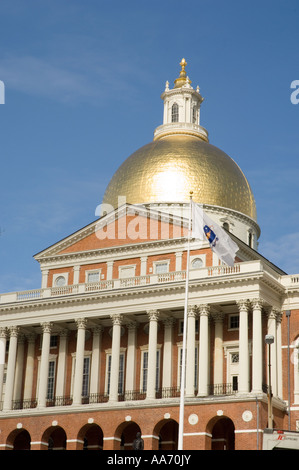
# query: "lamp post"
269 339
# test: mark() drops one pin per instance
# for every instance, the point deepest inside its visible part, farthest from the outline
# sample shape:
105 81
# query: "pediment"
126 225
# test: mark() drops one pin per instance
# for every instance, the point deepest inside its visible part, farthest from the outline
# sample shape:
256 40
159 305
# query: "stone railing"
149 279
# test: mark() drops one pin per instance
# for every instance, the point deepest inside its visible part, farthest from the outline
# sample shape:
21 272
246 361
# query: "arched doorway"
126 432
167 430
223 434
92 437
55 437
19 440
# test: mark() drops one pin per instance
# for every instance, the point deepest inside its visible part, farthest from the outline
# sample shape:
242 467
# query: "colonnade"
248 381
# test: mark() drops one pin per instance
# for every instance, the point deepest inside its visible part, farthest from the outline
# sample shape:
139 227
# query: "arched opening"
90 437
167 430
19 440
126 432
223 434
55 437
175 113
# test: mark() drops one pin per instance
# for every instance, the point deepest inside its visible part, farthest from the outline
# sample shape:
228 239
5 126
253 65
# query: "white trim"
239 431
197 434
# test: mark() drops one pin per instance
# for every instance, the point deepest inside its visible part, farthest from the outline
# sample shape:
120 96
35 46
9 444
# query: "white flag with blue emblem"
205 228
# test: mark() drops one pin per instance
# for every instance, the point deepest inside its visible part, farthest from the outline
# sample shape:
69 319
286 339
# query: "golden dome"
167 169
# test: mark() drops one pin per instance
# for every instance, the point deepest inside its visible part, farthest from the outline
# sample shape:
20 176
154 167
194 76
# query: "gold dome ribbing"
167 169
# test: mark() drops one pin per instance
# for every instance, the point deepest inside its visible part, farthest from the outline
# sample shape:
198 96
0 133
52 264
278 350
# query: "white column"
114 373
279 354
167 353
218 348
29 371
95 359
78 379
11 364
131 358
203 350
152 354
61 366
190 351
19 368
44 365
257 346
3 334
243 385
273 346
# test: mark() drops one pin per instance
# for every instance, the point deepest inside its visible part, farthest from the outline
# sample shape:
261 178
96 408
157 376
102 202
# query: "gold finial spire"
179 82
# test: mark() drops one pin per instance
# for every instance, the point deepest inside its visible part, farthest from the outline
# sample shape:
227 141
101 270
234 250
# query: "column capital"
204 310
97 330
153 315
47 327
243 305
81 323
169 322
14 331
192 311
117 319
132 325
217 317
257 304
63 333
3 332
31 337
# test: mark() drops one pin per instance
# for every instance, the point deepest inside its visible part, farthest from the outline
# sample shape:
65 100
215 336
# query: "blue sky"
83 81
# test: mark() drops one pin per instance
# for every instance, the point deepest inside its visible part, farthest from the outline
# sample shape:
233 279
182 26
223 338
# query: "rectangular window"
51 380
85 383
144 370
235 383
161 268
93 276
121 374
195 366
233 322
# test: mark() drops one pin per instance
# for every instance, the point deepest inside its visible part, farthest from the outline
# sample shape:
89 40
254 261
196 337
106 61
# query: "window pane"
161 268
175 113
85 384
51 378
93 277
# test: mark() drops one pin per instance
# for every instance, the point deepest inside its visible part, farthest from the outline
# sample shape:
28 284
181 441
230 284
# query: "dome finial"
179 82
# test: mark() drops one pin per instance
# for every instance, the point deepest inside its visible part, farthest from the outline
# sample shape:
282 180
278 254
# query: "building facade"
95 355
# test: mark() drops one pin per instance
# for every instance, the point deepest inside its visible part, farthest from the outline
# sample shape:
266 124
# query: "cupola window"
175 113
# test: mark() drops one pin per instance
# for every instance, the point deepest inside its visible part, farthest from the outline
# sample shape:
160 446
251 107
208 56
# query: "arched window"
194 115
175 113
226 226
197 263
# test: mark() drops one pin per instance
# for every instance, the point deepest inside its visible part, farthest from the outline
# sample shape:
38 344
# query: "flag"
205 228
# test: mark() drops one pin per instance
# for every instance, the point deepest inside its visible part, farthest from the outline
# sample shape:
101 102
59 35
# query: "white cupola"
181 109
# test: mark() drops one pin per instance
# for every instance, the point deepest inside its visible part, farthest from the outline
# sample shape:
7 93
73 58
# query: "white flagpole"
183 372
